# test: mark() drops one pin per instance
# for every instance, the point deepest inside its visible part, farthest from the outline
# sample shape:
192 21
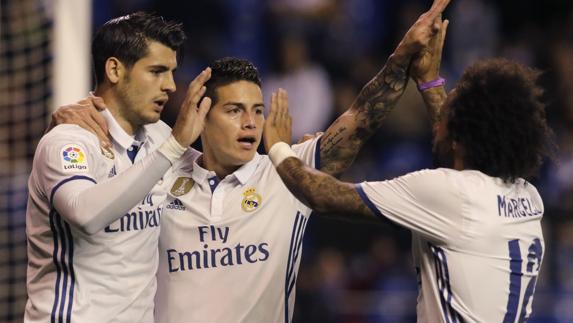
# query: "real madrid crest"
182 186
251 200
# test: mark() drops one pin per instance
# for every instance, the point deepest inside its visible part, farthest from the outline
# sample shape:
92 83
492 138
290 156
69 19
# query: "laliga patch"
182 186
251 201
74 159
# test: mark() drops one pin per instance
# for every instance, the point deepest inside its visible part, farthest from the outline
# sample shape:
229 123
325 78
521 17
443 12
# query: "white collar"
120 136
199 174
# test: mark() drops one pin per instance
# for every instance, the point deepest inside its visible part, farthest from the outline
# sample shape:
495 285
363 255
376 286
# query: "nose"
168 84
249 120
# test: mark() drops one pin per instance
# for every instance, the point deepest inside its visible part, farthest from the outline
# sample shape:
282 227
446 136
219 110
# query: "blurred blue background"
323 52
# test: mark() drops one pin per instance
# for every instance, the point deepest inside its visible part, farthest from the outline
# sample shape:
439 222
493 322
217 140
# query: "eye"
259 110
234 110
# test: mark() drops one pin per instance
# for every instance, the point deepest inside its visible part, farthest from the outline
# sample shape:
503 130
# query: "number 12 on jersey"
519 275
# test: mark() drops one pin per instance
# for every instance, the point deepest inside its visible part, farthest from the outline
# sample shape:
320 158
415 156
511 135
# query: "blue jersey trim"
514 281
57 264
68 180
367 201
293 256
72 273
317 154
62 236
443 283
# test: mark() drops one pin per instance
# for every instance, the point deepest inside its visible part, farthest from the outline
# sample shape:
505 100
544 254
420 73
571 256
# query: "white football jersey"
105 277
476 241
230 250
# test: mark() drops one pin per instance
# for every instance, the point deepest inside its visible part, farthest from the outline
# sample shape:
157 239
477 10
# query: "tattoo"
344 138
434 99
322 192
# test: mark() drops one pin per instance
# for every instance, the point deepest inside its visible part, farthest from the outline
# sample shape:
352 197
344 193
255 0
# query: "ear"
114 70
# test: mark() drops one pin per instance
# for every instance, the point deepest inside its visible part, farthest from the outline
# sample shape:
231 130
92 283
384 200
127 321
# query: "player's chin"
152 117
244 156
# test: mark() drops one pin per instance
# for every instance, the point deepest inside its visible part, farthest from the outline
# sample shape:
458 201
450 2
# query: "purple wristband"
432 84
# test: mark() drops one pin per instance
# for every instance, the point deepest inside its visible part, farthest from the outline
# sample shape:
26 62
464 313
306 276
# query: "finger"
443 31
284 103
198 83
442 37
197 96
204 108
436 24
273 110
98 103
101 124
438 7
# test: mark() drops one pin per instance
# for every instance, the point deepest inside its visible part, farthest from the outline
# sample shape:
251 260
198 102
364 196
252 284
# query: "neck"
459 158
116 108
209 162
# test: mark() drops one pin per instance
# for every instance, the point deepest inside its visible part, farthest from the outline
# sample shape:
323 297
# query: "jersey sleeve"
428 202
76 195
309 152
66 153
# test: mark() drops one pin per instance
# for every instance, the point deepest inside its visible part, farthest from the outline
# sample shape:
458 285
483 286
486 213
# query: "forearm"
344 138
90 208
322 192
434 99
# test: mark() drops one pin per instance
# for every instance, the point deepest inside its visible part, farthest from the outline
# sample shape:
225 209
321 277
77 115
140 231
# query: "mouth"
247 142
160 104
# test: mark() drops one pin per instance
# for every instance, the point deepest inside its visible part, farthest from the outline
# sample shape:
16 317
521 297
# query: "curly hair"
228 70
126 38
499 118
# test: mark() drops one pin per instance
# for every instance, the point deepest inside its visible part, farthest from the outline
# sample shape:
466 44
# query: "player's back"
487 268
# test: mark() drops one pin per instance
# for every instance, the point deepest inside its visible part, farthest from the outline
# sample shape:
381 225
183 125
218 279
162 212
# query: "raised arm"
80 201
316 189
425 71
344 138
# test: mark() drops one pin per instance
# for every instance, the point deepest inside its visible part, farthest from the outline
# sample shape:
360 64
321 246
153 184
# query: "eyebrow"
160 67
242 105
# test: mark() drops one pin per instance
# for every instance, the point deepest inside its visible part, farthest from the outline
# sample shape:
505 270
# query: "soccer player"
231 233
476 221
93 213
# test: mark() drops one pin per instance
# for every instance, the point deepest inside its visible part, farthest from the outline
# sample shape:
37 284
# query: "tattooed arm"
344 138
322 192
426 67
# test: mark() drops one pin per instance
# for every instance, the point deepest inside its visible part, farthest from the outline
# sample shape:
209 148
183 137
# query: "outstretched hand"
84 113
191 117
278 125
424 29
426 65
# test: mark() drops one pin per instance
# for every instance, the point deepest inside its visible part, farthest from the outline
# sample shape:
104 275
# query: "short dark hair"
126 38
498 116
228 70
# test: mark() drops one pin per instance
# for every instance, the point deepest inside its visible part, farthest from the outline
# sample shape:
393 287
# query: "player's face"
144 88
234 125
442 147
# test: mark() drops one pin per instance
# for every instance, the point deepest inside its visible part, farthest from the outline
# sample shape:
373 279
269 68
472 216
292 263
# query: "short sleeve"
309 152
428 202
65 154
